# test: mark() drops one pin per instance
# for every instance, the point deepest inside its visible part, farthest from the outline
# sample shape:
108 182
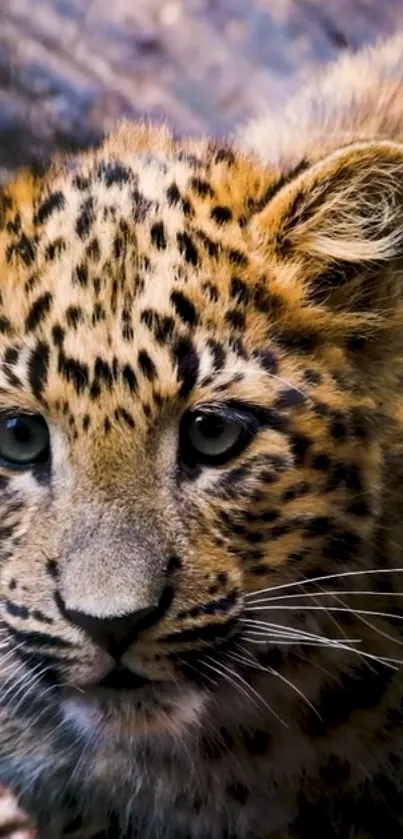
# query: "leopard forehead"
113 260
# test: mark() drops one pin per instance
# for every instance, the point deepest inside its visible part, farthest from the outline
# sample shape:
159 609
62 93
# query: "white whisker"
256 665
322 578
392 663
282 630
329 594
250 690
256 608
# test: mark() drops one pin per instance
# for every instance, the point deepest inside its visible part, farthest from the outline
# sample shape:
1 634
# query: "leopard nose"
114 635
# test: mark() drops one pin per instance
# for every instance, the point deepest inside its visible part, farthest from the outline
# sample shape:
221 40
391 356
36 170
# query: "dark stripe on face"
221 605
38 311
187 361
38 368
208 632
39 639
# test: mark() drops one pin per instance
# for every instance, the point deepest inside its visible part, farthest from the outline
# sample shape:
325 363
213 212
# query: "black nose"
114 635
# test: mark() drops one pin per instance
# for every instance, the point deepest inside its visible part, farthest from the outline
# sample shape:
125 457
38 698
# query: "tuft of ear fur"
341 221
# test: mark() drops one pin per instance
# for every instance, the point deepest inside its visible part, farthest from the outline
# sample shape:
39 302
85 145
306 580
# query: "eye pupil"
21 430
210 425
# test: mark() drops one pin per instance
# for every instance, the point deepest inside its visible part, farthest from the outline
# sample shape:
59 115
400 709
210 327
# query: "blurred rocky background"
70 68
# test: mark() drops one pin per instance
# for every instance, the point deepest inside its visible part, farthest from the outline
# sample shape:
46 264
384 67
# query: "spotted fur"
142 281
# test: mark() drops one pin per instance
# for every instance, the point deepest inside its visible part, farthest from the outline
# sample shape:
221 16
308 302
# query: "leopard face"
198 358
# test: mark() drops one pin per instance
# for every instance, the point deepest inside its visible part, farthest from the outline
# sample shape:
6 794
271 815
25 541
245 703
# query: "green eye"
213 437
24 440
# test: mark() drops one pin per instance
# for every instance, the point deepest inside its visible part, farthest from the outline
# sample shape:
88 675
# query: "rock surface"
70 68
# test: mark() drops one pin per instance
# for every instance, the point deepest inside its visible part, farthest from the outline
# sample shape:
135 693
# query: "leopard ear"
341 222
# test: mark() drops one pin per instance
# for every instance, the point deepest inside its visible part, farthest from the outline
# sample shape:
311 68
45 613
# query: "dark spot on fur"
202 188
11 356
85 218
289 398
121 413
221 215
73 371
360 424
338 430
212 248
343 545
129 378
356 343
239 291
158 236
187 361
39 616
184 308
211 291
74 316
38 365
224 154
300 445
81 183
359 690
55 249
52 569
173 195
318 526
58 335
218 354
80 275
187 248
147 365
24 249
321 462
103 371
296 491
5 326
298 340
95 390
114 173
235 319
312 377
93 250
359 508
347 475
38 311
17 610
55 201
237 257
174 564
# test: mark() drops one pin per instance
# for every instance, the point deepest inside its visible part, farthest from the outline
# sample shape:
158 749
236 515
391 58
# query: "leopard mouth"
120 688
124 704
122 679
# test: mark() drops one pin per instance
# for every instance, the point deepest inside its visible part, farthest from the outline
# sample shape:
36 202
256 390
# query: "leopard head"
198 374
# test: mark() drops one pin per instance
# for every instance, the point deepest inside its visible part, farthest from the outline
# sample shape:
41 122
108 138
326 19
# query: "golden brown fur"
140 283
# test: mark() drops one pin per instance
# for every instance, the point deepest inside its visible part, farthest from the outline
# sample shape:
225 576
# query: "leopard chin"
111 714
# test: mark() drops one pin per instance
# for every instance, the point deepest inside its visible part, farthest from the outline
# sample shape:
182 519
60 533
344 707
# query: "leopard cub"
201 477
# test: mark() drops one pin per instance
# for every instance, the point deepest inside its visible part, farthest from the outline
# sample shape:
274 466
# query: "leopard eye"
211 437
24 440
